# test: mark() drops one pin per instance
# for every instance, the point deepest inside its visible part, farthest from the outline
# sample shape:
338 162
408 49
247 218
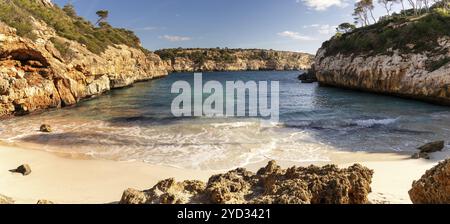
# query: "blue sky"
294 25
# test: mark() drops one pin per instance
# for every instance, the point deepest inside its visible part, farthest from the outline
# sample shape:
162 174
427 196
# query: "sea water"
136 124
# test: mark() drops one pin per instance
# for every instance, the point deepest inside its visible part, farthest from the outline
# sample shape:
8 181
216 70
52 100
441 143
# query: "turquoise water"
136 124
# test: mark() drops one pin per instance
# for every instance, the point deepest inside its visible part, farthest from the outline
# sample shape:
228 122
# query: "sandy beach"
74 181
77 181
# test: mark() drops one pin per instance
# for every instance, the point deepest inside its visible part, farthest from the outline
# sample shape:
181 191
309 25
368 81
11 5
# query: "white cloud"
324 29
147 28
321 5
294 35
311 26
327 29
175 38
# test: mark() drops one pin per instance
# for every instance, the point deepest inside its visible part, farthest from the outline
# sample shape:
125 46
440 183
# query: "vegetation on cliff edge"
220 55
66 23
410 31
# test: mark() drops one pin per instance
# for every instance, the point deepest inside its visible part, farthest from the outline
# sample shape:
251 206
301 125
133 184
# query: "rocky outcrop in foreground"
433 187
270 185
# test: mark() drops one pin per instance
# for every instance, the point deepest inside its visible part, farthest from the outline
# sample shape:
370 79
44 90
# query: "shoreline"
77 181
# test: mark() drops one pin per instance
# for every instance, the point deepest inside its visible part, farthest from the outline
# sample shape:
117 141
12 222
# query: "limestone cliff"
36 75
392 57
214 59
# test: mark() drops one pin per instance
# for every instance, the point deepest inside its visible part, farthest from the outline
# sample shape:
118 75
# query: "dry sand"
76 181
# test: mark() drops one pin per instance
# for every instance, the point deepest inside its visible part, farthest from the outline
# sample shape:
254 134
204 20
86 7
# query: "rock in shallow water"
308 77
45 128
271 185
433 187
432 147
426 149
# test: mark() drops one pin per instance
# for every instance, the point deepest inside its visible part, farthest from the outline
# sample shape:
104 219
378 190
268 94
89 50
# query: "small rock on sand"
426 149
45 128
23 169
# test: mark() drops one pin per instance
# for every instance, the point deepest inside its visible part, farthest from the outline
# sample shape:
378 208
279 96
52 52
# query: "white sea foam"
373 122
195 145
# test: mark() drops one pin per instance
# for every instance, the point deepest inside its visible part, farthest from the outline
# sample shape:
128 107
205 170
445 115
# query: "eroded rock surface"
270 185
393 72
433 187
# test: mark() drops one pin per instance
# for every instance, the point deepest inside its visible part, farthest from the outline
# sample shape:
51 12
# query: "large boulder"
270 185
433 187
426 149
432 147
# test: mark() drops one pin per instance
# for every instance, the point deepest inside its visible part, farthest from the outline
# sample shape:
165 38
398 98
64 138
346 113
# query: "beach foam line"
373 122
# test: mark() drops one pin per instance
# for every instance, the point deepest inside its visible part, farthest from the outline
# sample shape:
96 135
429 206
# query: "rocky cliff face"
191 60
417 74
34 75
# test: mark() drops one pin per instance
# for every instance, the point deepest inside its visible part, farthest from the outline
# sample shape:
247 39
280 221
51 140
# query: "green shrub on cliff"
407 34
18 13
14 17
